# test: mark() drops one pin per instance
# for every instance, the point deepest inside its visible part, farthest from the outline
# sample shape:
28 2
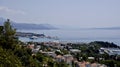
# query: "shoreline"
25 39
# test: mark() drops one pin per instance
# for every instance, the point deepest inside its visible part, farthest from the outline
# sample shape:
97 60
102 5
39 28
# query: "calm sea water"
79 35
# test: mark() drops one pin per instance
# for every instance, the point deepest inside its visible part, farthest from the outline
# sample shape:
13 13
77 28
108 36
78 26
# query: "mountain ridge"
108 28
28 25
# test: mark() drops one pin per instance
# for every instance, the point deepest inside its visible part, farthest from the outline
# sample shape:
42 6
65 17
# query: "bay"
77 35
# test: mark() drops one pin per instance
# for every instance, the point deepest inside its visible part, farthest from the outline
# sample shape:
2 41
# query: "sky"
69 13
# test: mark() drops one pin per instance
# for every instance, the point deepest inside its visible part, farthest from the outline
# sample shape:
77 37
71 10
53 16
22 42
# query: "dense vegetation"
14 54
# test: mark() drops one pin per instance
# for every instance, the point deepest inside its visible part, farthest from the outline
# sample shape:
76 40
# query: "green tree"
7 38
8 59
1 30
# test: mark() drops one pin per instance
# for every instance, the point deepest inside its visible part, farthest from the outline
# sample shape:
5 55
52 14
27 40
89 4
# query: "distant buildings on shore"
34 35
110 51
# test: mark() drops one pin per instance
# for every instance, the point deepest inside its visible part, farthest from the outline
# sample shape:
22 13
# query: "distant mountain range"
27 26
107 28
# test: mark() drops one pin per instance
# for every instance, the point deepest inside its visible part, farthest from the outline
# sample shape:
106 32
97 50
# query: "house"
36 49
75 51
52 54
31 46
59 58
91 58
68 59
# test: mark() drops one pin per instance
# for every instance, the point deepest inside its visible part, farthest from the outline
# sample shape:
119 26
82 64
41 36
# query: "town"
94 54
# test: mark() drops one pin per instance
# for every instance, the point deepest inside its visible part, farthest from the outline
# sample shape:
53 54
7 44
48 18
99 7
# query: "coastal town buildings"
68 58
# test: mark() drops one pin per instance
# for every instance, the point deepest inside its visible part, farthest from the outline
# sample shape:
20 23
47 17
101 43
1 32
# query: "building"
110 51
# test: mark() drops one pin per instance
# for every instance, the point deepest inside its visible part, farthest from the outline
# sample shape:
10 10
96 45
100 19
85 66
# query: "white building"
75 50
110 51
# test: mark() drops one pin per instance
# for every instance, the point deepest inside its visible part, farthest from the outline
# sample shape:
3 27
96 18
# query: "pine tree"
7 36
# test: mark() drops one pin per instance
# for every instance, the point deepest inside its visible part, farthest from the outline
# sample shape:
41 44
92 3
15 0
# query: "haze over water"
81 35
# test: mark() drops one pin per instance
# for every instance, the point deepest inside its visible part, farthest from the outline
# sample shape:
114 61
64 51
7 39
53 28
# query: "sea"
76 35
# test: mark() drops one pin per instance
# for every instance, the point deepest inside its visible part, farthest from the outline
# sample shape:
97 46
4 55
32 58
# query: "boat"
33 37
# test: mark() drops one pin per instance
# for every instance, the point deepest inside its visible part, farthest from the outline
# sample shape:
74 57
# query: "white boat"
33 37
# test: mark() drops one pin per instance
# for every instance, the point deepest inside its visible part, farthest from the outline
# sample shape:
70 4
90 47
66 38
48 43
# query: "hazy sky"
73 13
